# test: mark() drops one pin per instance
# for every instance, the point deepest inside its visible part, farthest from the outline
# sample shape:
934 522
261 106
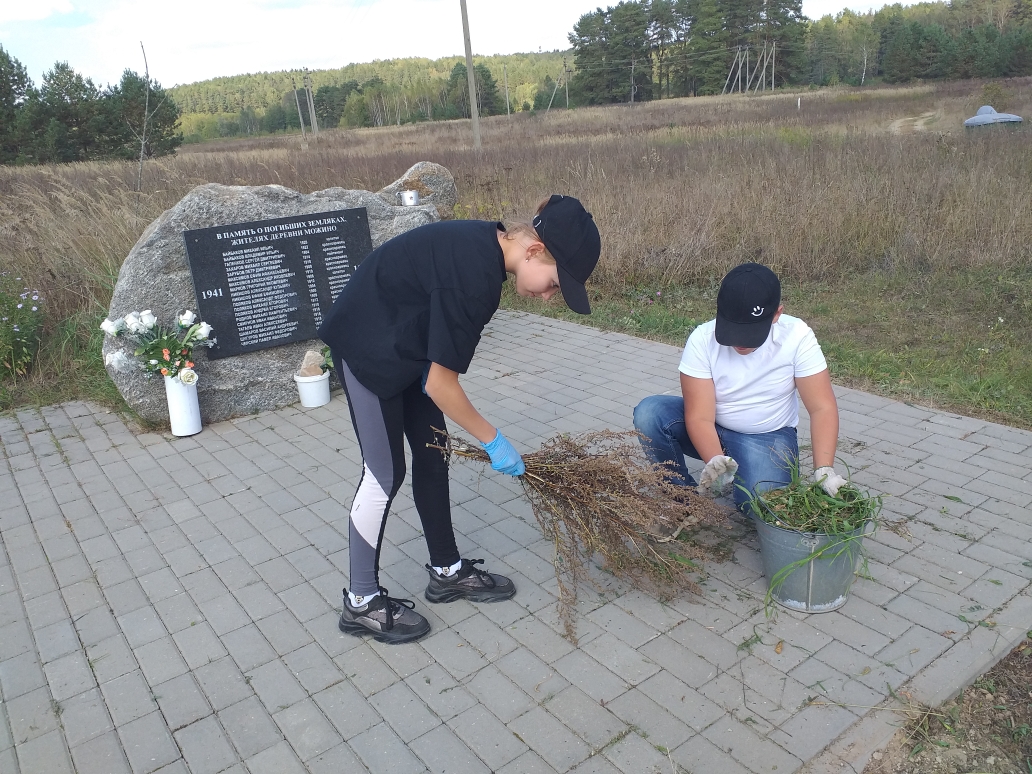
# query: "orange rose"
189 364
164 372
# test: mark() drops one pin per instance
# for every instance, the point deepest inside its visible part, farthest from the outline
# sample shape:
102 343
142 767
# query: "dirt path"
912 124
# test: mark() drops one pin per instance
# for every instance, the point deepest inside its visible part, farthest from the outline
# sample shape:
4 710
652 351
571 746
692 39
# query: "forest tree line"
637 50
676 48
648 49
354 104
373 94
69 118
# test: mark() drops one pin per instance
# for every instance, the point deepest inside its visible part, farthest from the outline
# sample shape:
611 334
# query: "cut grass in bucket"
811 542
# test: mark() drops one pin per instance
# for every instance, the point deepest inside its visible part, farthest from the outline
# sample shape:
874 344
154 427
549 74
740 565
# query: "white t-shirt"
756 393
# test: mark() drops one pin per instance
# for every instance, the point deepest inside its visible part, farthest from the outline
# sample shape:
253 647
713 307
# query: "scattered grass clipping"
596 494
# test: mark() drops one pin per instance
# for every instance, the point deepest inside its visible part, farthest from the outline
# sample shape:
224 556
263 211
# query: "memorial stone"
269 282
157 276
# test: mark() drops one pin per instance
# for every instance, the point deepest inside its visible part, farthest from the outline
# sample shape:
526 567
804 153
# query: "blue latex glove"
504 458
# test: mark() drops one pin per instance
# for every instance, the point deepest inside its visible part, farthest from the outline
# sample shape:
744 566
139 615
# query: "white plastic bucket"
184 413
314 390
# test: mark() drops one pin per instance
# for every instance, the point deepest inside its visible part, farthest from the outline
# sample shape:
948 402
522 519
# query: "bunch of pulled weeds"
596 494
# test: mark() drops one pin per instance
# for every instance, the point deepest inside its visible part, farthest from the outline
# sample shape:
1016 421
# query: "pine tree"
68 105
120 121
15 88
608 47
707 52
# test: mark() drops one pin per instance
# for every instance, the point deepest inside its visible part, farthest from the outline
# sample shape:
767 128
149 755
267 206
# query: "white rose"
148 319
188 376
203 330
110 327
132 322
186 319
117 361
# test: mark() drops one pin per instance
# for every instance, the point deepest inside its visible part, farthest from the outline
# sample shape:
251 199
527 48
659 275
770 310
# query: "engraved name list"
268 283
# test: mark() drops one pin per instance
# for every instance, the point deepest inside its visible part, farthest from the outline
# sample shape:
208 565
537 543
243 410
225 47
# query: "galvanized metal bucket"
819 585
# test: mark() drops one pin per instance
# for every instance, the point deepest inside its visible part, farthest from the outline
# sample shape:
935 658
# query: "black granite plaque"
270 282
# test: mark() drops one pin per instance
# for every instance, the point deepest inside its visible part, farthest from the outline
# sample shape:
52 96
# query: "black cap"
749 298
571 236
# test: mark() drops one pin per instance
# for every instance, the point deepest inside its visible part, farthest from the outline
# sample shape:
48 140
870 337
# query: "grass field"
908 253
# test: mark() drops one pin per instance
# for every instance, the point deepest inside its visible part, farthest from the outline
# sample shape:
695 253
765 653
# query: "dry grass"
681 189
596 494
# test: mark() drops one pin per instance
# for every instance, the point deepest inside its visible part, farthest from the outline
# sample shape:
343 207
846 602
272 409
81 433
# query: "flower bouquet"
162 351
167 352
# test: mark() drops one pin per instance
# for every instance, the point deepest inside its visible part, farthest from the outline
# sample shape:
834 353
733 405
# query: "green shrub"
21 323
993 93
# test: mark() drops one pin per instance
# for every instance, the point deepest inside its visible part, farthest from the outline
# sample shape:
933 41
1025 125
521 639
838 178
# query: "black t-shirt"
424 296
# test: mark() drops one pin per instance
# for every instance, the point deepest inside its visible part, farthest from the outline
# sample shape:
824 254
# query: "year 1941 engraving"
216 293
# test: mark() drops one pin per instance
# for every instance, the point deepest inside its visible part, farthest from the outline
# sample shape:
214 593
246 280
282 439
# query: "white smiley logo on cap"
757 311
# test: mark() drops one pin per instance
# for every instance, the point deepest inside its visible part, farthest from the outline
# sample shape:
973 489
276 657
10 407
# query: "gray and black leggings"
380 425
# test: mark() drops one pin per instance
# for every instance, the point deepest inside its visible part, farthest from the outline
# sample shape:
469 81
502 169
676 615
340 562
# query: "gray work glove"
829 480
718 472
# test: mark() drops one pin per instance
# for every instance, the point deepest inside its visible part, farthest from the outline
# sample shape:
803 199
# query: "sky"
193 40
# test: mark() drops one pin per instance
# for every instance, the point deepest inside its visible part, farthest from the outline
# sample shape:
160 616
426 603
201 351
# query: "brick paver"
170 604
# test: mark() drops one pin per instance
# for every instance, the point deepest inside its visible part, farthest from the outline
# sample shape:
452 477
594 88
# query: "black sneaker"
388 619
468 583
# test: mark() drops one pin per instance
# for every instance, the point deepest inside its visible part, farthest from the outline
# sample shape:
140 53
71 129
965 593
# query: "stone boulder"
434 184
156 276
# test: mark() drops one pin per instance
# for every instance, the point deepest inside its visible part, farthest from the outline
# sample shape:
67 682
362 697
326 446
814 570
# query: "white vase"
314 390
184 413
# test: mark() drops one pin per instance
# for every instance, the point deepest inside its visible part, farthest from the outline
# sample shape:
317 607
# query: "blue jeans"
764 459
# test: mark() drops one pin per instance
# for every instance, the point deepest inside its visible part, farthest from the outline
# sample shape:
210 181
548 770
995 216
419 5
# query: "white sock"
361 599
447 572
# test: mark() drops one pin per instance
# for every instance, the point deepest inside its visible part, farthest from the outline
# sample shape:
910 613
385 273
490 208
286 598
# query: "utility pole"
731 72
761 60
474 112
552 97
505 77
632 80
566 81
311 104
297 101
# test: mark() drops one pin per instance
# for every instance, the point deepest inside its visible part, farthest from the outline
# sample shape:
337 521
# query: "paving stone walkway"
170 604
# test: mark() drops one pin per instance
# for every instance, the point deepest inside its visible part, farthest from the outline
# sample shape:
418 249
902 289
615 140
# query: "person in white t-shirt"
742 375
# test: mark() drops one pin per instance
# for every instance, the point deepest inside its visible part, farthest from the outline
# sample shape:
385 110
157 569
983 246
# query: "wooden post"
505 77
566 82
474 111
731 72
552 97
297 101
311 104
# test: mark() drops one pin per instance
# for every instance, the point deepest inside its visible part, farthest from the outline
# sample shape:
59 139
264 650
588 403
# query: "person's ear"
777 314
534 249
